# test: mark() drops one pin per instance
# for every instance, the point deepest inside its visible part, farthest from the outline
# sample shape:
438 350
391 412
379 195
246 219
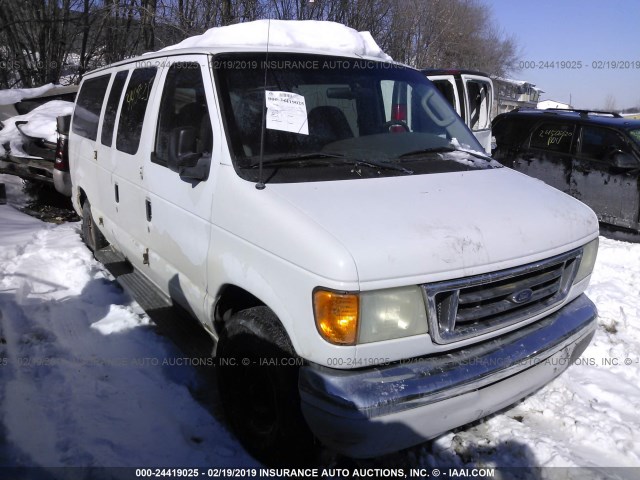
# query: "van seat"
328 124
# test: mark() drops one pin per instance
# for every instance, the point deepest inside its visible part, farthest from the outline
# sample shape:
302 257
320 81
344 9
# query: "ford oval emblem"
522 296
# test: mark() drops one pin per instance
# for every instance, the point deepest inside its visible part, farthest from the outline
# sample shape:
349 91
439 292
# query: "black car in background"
593 156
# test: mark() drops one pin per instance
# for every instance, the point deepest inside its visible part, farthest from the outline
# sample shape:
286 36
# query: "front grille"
471 306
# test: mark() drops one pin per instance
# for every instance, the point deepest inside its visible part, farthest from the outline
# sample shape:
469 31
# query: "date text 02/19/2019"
579 65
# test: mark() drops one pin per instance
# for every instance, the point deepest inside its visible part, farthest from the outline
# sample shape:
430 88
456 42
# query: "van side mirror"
624 161
183 156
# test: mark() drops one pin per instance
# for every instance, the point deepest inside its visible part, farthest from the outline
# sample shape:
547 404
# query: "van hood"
442 226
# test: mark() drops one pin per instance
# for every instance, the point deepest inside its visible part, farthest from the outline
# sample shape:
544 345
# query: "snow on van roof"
326 37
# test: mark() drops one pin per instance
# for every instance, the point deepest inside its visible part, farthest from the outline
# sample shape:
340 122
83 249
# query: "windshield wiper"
447 149
428 150
376 164
284 159
310 156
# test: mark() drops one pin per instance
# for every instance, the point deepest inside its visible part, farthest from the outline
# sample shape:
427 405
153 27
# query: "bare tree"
423 33
35 34
449 34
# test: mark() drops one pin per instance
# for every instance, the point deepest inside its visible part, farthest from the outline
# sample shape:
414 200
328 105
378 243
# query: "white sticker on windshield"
286 111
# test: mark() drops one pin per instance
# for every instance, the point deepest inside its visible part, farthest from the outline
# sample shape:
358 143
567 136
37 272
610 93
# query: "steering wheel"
397 123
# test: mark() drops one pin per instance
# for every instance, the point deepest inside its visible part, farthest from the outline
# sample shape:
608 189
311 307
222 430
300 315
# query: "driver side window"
599 143
183 105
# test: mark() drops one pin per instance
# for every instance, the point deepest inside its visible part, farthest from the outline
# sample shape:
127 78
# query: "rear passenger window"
106 137
183 105
556 137
87 112
133 109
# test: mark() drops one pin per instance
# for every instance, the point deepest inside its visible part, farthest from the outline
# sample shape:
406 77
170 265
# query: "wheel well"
232 299
82 196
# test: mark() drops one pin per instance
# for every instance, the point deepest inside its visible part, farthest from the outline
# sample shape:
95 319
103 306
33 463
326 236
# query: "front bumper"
366 413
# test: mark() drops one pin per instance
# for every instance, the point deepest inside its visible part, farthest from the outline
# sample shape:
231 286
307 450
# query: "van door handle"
147 204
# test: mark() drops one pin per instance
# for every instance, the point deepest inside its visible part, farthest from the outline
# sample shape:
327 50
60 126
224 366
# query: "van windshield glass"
330 118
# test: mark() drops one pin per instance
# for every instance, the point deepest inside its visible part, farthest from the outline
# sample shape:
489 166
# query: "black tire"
259 394
91 235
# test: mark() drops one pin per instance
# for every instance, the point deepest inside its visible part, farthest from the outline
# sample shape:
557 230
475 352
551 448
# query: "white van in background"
471 95
334 226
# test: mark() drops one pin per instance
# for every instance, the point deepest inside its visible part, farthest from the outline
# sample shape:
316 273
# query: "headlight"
347 318
391 313
588 260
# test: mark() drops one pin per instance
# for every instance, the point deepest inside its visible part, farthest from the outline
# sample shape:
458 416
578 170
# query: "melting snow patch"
119 319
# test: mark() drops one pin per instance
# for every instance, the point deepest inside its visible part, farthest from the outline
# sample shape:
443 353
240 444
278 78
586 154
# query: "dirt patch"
46 204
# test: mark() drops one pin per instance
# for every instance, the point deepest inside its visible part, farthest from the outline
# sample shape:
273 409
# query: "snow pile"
41 124
326 37
15 95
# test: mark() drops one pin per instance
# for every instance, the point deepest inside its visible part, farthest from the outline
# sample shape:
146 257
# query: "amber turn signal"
336 316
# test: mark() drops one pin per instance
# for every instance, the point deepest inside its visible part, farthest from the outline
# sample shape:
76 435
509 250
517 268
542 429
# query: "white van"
470 94
370 282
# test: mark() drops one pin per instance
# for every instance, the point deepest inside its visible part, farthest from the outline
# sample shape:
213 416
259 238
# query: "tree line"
42 41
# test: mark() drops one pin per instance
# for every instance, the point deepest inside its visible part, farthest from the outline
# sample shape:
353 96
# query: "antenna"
260 185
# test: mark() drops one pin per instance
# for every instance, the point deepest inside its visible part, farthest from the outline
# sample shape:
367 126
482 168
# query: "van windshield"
334 118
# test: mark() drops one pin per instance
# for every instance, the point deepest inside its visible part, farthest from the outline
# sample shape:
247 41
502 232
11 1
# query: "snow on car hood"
441 226
41 123
14 95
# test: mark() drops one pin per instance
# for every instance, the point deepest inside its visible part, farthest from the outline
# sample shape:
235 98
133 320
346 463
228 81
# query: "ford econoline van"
371 282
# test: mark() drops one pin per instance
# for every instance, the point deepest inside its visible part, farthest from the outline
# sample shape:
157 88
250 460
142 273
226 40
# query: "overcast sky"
591 36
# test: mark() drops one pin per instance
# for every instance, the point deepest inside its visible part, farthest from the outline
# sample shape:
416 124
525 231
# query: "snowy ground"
86 380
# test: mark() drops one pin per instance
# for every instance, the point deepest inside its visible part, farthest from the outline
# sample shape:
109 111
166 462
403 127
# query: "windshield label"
287 112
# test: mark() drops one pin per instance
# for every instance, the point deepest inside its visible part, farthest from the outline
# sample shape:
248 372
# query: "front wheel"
258 382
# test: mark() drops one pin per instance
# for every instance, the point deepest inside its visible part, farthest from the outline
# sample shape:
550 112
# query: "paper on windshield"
287 112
